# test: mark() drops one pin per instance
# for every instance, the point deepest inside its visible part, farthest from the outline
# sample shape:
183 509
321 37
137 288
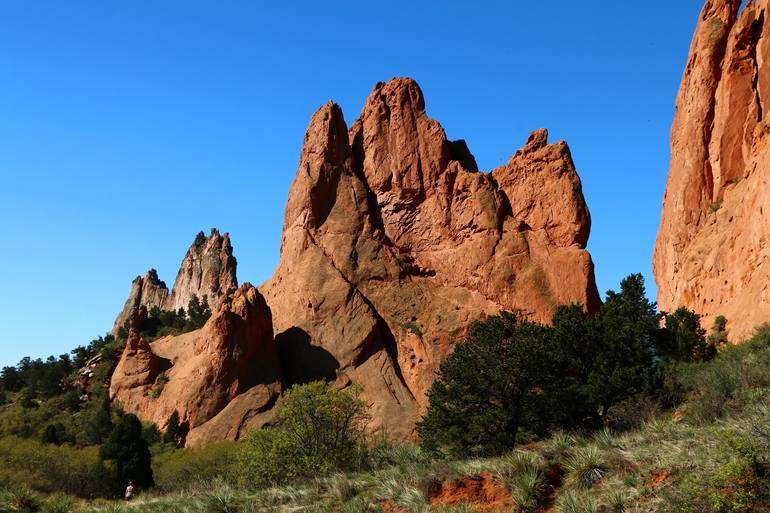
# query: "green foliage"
160 384
151 434
178 469
160 323
485 391
51 468
320 430
585 466
718 336
129 452
173 434
512 376
55 434
683 339
410 326
727 383
99 422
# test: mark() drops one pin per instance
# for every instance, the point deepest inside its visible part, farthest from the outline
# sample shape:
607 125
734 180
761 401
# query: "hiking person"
130 491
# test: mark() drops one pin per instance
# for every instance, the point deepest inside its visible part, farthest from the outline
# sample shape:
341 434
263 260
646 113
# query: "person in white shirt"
130 491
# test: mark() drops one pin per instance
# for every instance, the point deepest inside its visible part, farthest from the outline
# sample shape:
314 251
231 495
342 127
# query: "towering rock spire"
393 243
208 271
711 254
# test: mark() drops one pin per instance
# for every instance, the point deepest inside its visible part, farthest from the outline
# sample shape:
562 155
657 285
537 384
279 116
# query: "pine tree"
129 452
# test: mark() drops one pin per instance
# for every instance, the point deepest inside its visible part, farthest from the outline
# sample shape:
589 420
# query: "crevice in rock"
756 34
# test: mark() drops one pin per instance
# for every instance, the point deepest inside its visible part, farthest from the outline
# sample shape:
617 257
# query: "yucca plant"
572 502
617 503
585 466
58 504
23 500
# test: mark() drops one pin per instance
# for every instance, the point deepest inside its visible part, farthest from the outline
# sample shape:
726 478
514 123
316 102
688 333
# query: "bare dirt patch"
482 492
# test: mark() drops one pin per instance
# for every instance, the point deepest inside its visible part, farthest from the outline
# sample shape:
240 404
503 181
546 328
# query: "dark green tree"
683 339
11 380
488 389
54 434
129 452
625 331
568 368
173 431
198 312
718 336
99 425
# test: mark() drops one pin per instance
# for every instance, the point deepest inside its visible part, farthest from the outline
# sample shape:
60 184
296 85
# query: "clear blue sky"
127 127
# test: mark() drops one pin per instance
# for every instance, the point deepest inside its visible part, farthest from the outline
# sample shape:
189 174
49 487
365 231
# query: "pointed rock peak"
207 271
399 91
151 277
326 136
536 140
726 10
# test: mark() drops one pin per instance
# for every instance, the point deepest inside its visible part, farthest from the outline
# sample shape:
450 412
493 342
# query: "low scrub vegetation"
626 411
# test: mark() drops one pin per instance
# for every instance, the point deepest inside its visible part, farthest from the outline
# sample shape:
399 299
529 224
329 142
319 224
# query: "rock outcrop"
712 252
208 271
222 379
393 243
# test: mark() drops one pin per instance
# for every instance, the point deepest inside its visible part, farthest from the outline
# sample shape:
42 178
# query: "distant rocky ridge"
393 242
208 271
712 253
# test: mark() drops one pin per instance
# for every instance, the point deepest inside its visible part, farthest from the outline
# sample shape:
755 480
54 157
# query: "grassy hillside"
708 452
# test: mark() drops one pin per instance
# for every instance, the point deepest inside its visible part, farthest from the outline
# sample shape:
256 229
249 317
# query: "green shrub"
129 452
51 468
410 326
178 469
320 429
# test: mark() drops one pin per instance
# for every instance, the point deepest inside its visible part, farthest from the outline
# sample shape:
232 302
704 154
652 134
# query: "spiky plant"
585 466
572 502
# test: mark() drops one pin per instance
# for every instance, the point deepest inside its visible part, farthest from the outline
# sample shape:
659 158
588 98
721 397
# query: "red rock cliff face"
712 251
208 270
393 243
222 379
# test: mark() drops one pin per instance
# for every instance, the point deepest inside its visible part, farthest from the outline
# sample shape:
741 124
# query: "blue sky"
127 127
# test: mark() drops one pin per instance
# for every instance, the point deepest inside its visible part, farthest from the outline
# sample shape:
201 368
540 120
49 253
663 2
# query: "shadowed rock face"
207 271
712 254
393 243
222 379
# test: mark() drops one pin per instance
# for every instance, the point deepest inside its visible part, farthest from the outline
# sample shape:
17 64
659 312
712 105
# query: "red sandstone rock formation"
222 379
712 251
393 243
207 271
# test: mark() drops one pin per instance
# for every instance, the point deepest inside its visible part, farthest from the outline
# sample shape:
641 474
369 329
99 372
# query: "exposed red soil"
480 491
656 479
389 506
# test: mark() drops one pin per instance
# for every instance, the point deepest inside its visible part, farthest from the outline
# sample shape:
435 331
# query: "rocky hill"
208 271
393 242
712 253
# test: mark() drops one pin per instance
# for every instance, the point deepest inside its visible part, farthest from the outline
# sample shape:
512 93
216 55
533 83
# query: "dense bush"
512 376
486 391
129 453
178 469
320 429
683 338
725 384
51 468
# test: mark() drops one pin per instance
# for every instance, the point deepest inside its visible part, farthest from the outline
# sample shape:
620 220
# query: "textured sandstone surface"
393 242
208 270
222 379
712 251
